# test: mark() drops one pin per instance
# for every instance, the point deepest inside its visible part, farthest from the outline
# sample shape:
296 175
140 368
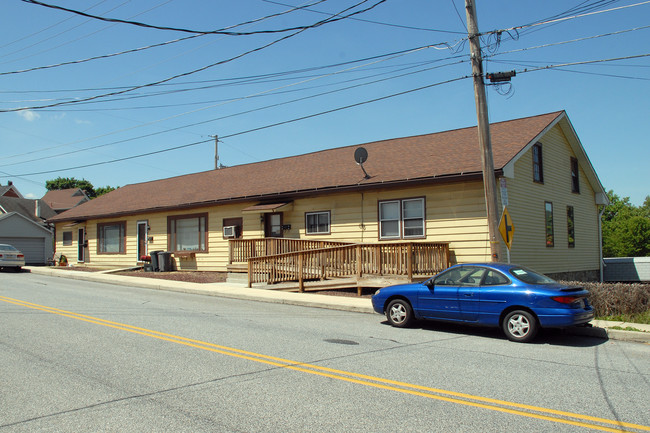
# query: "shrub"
614 299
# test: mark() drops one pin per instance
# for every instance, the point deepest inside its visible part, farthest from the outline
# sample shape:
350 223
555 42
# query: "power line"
202 32
211 120
185 74
566 18
374 22
249 130
134 50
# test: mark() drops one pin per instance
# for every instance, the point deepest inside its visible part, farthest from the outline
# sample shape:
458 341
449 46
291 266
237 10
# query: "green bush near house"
624 302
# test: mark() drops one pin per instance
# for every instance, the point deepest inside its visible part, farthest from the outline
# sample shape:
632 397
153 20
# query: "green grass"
630 318
627 328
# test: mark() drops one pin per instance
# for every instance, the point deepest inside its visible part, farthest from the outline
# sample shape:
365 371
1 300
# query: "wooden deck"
334 264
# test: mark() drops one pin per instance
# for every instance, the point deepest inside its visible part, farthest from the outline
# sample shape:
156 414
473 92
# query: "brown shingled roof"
422 157
63 199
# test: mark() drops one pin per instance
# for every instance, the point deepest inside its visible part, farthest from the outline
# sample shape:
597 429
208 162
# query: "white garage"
34 240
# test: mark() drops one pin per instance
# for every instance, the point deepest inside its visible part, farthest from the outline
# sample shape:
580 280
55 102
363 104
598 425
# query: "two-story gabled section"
425 189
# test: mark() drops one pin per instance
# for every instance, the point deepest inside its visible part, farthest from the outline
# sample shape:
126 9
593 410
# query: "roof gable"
427 158
63 199
21 222
27 208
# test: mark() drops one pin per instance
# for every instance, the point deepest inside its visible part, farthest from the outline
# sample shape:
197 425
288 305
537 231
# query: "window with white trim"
317 223
401 219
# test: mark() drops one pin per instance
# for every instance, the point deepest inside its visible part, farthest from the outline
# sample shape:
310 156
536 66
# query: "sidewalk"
601 329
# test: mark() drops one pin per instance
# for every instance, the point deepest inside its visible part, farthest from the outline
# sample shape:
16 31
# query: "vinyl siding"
455 213
526 206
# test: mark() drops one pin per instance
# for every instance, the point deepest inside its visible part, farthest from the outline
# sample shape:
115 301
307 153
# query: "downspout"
600 241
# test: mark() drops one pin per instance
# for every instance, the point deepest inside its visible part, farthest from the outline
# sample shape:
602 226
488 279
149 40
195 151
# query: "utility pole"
489 181
216 151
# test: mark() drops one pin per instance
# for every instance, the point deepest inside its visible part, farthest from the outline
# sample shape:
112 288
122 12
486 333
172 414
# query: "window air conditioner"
230 231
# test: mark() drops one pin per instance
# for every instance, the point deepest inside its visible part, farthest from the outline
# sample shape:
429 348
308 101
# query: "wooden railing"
405 259
240 250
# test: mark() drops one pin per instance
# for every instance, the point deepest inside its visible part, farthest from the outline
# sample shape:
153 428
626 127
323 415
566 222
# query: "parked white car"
11 257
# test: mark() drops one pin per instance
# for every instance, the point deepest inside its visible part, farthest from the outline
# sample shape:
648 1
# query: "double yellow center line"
524 410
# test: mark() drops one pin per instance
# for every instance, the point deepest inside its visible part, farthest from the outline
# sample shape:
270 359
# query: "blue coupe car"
512 297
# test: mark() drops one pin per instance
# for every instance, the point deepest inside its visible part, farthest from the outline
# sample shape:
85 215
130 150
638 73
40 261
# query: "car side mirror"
430 284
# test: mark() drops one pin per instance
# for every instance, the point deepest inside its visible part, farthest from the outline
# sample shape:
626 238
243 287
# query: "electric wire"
185 74
61 154
260 128
375 22
270 91
161 44
184 30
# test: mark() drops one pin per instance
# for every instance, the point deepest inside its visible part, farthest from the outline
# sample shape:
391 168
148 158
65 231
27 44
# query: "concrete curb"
600 328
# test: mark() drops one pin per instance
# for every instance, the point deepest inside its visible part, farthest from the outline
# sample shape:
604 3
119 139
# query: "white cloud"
82 122
29 115
30 195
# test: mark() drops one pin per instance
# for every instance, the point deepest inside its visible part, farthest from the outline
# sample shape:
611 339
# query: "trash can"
165 261
155 260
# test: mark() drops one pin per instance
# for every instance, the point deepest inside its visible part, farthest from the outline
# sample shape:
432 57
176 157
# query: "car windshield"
7 248
530 277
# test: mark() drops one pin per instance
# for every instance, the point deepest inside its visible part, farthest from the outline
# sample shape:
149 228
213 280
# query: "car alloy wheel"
399 313
520 326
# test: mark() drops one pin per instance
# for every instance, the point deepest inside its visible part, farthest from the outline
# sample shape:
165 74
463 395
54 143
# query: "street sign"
506 228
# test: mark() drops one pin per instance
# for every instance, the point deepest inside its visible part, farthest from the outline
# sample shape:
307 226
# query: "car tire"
399 313
520 326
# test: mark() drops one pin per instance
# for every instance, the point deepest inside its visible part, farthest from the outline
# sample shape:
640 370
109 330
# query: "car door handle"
469 295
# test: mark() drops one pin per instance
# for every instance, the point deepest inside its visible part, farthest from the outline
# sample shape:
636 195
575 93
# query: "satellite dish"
361 156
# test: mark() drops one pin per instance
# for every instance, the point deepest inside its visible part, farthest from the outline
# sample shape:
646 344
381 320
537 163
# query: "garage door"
32 248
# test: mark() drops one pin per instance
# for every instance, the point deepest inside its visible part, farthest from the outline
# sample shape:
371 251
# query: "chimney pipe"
37 208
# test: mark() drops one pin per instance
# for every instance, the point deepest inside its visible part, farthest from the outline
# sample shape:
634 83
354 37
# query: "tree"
626 228
101 190
71 182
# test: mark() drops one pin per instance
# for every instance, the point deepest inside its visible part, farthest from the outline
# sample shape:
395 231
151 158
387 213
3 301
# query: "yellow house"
425 188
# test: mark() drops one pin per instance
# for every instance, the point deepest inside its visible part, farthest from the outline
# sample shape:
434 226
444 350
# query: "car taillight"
565 299
20 256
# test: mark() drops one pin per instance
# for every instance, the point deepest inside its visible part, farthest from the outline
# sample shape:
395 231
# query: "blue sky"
238 86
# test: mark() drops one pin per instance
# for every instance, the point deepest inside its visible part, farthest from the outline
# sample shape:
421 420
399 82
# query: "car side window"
494 278
465 276
473 278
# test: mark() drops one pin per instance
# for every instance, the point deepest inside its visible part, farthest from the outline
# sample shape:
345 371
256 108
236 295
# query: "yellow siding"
526 206
455 213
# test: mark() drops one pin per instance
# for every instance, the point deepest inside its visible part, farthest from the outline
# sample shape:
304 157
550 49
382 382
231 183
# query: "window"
401 219
570 227
575 176
67 238
538 166
111 238
317 223
550 239
187 232
494 278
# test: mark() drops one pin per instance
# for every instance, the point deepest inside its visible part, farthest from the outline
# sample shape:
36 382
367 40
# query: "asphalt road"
78 356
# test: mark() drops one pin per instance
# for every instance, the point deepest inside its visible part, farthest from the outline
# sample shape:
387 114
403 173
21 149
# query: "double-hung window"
317 223
111 238
401 219
575 176
188 233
